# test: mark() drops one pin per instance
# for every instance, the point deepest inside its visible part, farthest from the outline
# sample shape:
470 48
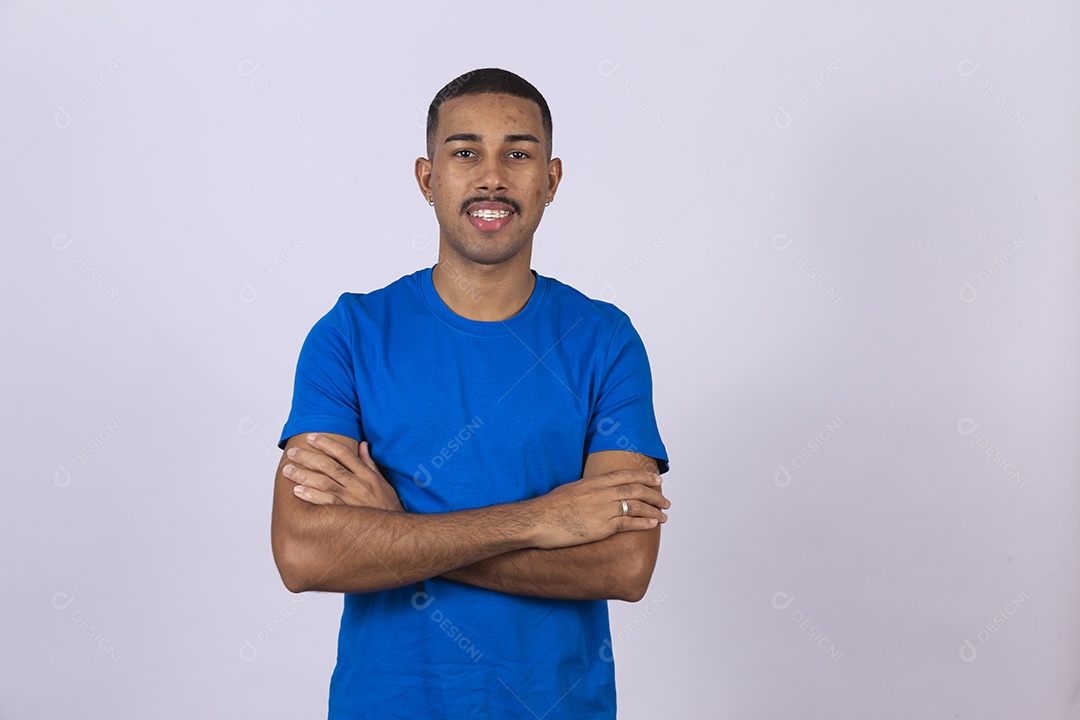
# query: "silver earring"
431 202
547 203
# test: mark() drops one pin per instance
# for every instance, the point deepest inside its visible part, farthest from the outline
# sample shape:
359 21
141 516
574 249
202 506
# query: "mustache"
494 198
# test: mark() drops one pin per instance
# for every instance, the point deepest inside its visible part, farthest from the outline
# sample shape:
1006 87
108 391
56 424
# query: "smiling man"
472 456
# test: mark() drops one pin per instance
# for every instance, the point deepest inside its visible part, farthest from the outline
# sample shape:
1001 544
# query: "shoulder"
602 315
354 306
606 328
597 324
359 314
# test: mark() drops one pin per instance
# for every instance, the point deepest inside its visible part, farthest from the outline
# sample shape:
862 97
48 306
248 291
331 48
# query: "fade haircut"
487 80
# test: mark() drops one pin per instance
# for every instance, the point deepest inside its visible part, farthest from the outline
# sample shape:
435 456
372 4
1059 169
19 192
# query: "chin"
481 258
488 251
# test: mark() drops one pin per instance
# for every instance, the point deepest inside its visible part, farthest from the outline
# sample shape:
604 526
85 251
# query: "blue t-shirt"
464 414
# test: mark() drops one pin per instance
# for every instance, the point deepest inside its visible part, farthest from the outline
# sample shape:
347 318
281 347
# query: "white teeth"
490 214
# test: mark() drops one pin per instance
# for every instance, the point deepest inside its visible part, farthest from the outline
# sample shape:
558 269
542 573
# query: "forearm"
338 548
321 542
615 568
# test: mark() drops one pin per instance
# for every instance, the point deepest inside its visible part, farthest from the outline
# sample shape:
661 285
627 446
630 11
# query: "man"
516 488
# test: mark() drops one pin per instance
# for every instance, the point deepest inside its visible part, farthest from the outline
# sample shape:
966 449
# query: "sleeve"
623 418
324 392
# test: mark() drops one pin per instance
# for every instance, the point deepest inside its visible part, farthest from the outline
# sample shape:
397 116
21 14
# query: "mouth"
490 216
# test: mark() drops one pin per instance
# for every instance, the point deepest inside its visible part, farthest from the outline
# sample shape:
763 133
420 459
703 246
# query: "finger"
316 460
344 454
315 497
318 463
311 480
365 456
650 495
637 491
329 466
637 508
630 524
629 477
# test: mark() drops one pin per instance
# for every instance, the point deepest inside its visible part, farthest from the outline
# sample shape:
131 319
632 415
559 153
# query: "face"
488 176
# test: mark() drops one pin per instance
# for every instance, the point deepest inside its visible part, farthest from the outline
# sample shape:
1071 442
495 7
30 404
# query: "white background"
847 233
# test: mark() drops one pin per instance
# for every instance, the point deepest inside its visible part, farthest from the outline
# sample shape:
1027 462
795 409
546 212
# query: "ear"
554 176
423 177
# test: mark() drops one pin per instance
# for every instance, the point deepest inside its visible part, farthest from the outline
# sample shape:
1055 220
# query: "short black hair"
487 80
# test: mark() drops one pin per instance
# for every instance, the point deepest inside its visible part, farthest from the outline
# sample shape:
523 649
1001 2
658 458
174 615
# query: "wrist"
530 530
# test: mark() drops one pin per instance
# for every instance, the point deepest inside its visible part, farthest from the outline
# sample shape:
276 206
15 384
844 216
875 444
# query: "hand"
334 474
590 509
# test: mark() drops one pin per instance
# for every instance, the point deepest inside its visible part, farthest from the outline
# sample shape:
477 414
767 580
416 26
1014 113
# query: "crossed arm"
336 519
617 567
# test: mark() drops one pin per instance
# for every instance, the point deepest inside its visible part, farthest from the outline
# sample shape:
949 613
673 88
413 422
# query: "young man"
516 488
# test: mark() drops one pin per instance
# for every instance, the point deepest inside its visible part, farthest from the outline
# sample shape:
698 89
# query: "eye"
458 153
522 155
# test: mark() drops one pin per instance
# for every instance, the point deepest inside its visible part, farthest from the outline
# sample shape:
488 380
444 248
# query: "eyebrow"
473 137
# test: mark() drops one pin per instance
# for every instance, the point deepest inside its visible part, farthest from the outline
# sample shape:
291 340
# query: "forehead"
495 113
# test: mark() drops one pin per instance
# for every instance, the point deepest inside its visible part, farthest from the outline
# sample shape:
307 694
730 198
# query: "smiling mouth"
490 207
490 214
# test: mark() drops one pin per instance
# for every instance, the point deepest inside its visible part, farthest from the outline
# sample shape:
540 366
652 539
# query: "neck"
487 293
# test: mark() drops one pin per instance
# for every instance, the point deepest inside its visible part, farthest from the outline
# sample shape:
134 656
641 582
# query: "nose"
490 177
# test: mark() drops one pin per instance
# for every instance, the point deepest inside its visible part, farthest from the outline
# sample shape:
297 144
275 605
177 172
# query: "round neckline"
483 328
